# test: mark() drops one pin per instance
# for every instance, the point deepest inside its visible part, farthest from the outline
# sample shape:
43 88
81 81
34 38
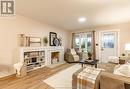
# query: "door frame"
118 39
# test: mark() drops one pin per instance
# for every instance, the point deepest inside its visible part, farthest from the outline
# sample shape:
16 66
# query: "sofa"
112 81
105 80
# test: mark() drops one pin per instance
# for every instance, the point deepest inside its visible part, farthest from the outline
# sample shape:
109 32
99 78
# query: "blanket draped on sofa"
85 79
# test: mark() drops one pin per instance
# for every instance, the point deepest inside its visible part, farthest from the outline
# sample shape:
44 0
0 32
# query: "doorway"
108 44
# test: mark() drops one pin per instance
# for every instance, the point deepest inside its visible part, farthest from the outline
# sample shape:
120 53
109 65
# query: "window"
108 40
83 41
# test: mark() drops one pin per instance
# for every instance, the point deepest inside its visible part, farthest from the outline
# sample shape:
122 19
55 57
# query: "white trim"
114 30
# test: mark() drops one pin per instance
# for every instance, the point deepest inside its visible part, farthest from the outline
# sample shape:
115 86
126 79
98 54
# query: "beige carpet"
63 79
56 64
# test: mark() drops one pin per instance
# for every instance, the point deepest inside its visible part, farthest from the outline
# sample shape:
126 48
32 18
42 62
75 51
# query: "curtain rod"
83 32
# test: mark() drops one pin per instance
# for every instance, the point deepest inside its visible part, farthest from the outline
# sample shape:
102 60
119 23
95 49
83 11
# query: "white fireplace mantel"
47 49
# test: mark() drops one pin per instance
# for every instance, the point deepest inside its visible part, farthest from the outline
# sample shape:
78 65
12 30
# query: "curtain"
94 45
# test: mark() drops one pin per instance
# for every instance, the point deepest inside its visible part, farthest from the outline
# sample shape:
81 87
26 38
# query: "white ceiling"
65 13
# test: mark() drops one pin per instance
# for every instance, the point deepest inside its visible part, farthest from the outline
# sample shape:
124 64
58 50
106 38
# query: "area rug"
56 64
63 79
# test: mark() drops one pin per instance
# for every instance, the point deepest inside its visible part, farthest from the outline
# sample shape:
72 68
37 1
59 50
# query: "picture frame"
52 36
27 41
34 41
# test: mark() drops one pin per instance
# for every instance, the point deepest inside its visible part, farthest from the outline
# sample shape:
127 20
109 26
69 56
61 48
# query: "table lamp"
127 48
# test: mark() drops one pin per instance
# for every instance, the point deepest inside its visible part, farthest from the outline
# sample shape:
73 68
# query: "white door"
108 45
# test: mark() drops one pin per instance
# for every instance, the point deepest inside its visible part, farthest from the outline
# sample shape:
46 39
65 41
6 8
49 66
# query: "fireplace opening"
55 57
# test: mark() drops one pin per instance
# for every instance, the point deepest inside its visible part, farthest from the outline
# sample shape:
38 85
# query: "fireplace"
55 56
51 54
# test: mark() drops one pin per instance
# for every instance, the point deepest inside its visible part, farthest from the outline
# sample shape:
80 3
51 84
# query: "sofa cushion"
76 57
113 59
73 51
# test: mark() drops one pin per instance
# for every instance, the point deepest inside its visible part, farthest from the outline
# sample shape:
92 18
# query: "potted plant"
89 55
122 59
45 41
123 56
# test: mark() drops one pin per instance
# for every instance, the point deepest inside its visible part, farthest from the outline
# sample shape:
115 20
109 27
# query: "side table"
121 61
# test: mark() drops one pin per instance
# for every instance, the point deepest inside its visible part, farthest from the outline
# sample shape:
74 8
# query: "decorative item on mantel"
23 40
52 36
45 41
54 40
60 40
26 41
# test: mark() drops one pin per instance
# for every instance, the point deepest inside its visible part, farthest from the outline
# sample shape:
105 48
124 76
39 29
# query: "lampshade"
127 47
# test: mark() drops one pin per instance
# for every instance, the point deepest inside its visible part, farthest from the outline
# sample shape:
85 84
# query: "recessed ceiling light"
82 19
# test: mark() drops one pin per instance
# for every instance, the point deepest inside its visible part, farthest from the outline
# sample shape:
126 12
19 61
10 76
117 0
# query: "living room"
72 23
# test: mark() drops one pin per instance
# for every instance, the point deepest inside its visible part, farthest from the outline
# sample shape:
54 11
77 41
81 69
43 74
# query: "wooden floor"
34 79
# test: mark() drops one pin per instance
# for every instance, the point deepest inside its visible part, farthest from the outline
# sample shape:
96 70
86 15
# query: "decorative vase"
56 42
89 58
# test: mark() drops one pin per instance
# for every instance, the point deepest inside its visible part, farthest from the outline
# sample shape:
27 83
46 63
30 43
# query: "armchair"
71 56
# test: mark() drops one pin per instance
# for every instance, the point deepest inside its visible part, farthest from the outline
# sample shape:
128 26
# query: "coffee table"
92 63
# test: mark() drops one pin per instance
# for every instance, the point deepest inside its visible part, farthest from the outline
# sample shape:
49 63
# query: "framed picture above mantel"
52 36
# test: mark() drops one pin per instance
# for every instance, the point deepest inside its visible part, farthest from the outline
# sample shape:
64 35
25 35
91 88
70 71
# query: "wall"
11 27
124 36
